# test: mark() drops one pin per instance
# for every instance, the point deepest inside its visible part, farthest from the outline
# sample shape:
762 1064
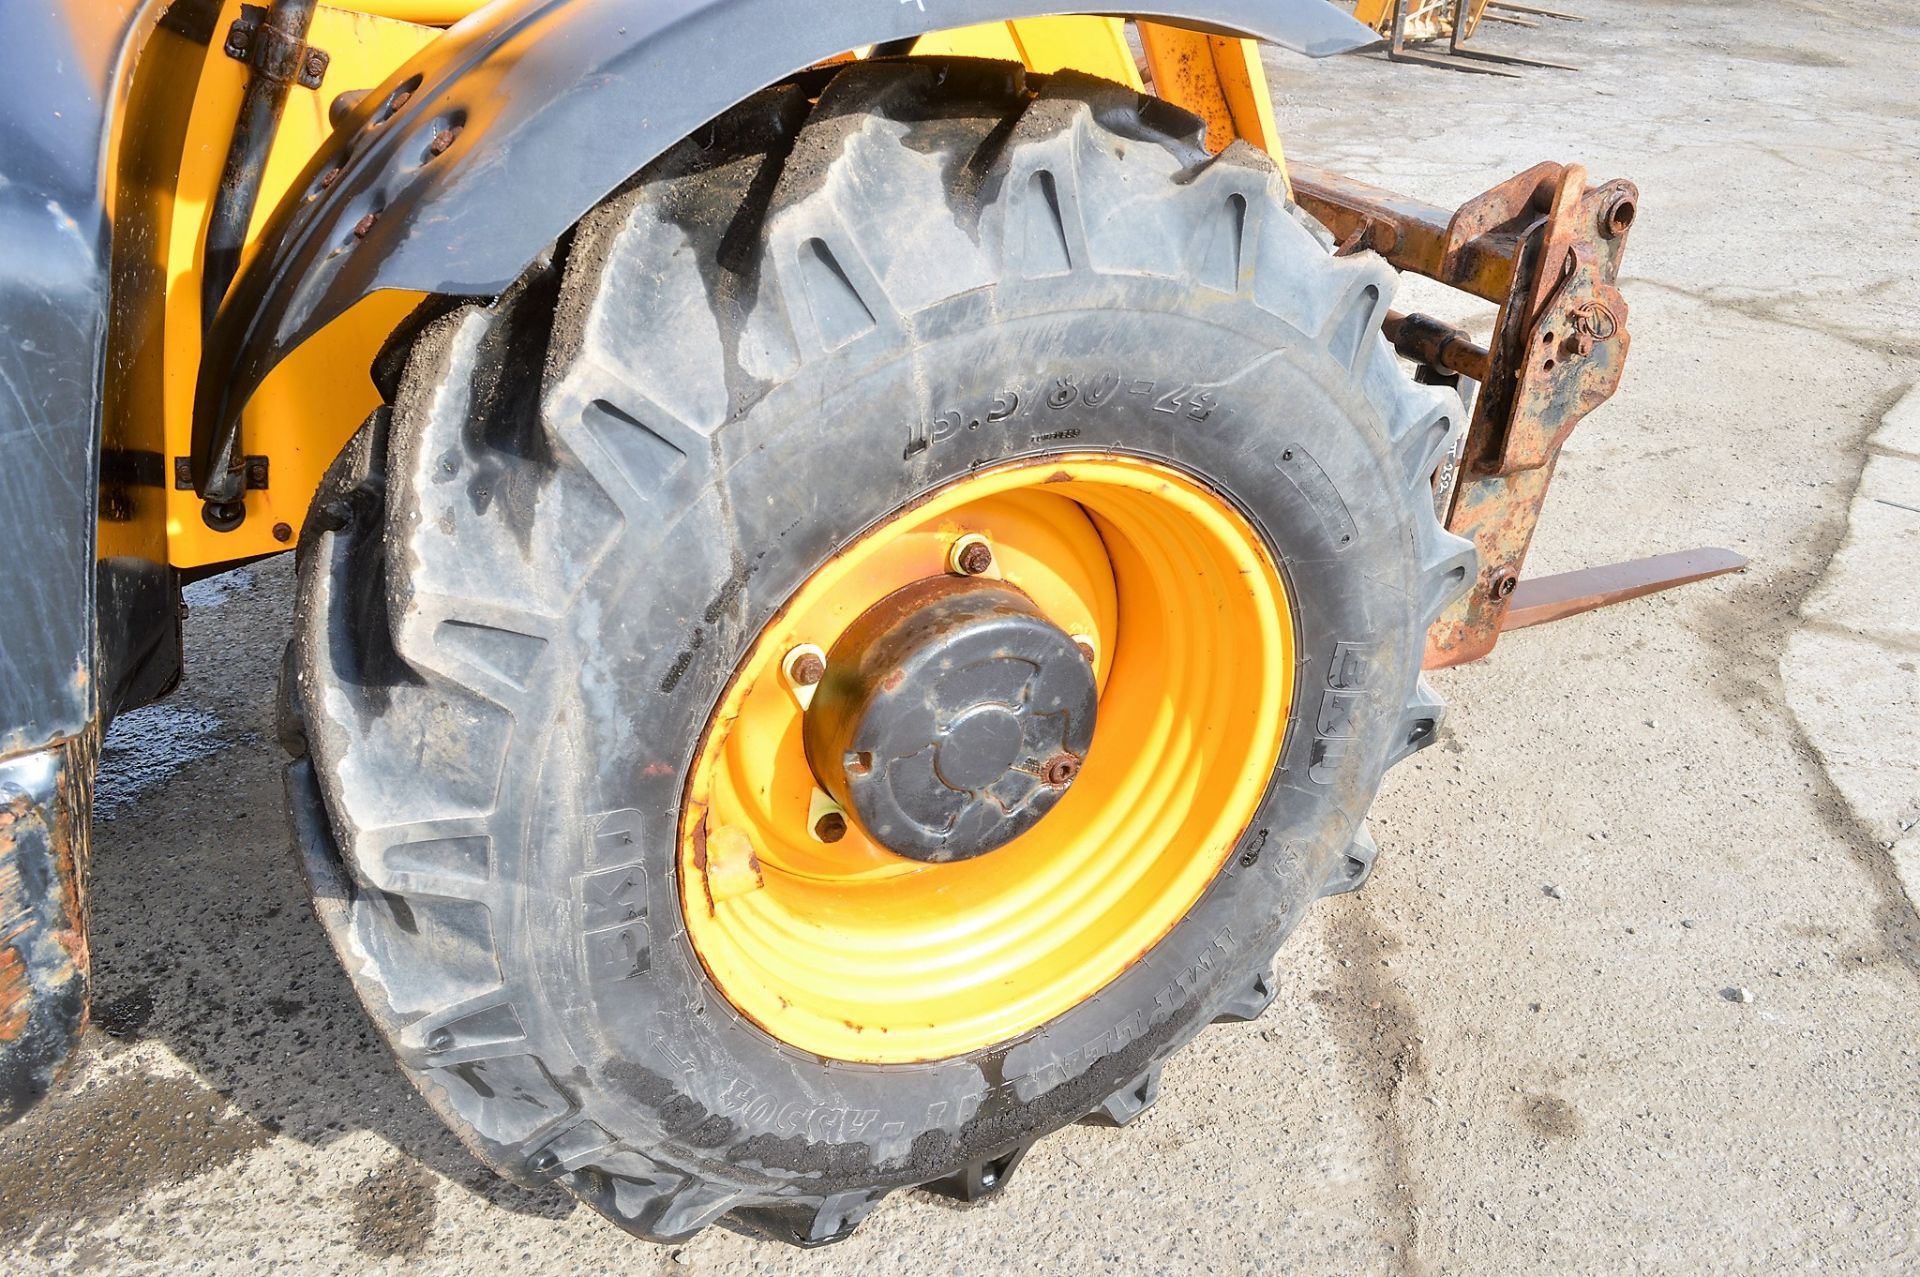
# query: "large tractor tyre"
867 648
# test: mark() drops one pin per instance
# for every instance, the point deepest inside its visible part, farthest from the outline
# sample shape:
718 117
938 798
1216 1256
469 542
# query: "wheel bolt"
831 827
970 556
807 669
803 668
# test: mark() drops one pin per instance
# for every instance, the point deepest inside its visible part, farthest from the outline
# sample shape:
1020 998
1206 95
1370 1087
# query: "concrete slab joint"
1852 670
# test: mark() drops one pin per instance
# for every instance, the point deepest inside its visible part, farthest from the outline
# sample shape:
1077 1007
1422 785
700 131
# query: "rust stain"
14 994
16 919
43 931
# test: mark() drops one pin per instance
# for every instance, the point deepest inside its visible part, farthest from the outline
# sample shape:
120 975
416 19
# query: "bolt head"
974 558
365 224
442 140
1086 649
1503 584
807 669
1060 770
831 827
283 532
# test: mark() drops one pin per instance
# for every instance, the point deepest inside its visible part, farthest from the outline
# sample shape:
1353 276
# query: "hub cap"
952 718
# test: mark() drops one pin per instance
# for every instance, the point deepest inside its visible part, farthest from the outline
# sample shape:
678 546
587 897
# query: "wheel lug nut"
803 668
807 668
831 827
970 556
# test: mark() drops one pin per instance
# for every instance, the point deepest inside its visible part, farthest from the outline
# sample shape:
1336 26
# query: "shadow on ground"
205 943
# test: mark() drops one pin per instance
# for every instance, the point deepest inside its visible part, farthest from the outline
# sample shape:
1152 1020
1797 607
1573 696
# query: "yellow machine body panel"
1097 46
314 401
1219 79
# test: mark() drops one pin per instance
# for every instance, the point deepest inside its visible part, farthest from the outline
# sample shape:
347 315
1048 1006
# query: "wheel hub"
952 718
813 894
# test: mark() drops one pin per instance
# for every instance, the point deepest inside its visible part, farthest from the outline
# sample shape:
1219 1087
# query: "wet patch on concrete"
1780 55
1551 1116
1375 1021
123 1017
86 1154
215 590
394 1210
146 747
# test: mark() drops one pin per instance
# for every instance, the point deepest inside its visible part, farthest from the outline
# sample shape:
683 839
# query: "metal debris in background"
1408 22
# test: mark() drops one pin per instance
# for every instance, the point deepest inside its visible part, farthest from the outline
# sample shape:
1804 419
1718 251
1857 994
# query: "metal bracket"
257 470
1546 248
271 53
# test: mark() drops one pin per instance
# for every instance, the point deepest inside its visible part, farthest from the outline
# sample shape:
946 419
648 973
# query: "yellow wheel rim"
851 952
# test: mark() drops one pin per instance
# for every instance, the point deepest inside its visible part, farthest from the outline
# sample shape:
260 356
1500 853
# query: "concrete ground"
1525 1047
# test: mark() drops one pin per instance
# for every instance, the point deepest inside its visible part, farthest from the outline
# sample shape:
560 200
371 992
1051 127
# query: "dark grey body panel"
558 102
58 70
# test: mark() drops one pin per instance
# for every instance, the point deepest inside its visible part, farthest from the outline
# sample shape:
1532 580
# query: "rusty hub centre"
951 718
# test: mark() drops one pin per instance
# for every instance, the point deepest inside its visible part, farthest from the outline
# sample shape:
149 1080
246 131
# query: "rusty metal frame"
1545 247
